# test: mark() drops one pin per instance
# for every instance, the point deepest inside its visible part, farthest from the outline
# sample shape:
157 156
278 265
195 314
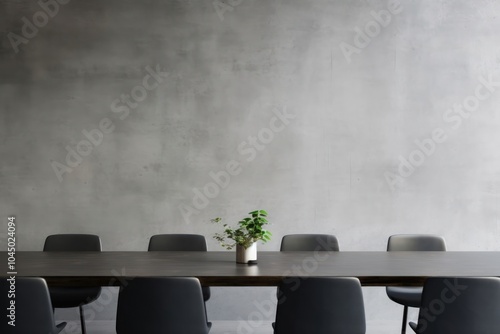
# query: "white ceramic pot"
245 255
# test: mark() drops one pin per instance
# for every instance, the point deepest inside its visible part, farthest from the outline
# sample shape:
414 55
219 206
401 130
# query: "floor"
218 327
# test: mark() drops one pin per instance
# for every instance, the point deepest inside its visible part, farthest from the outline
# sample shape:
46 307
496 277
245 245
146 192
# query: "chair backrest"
161 305
33 309
72 243
177 242
321 306
416 242
460 306
309 242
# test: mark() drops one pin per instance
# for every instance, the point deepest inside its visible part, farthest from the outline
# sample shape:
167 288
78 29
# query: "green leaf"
249 230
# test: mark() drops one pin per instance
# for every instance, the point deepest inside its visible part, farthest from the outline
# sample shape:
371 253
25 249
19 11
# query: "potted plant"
245 236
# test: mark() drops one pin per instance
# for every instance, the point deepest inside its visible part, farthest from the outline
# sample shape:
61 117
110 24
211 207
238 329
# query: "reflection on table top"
220 268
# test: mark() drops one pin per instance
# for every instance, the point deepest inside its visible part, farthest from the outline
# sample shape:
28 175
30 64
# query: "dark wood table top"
220 268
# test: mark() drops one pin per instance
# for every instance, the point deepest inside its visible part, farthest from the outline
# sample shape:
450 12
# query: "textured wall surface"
357 118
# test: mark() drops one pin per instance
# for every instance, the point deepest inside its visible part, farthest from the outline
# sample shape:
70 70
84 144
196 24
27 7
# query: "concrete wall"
357 118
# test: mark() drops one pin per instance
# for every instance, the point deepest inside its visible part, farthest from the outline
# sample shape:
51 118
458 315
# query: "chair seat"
73 297
413 326
60 327
405 295
206 292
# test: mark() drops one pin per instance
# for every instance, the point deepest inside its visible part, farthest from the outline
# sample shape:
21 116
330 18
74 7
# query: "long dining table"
220 268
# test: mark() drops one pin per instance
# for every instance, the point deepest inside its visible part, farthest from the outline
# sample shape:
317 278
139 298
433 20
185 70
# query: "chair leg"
82 320
405 317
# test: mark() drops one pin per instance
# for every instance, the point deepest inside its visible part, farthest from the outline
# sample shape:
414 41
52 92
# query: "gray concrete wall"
357 118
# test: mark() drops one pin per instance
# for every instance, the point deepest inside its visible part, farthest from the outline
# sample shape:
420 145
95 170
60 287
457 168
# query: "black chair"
162 305
33 309
320 306
309 242
463 305
63 297
180 242
411 296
